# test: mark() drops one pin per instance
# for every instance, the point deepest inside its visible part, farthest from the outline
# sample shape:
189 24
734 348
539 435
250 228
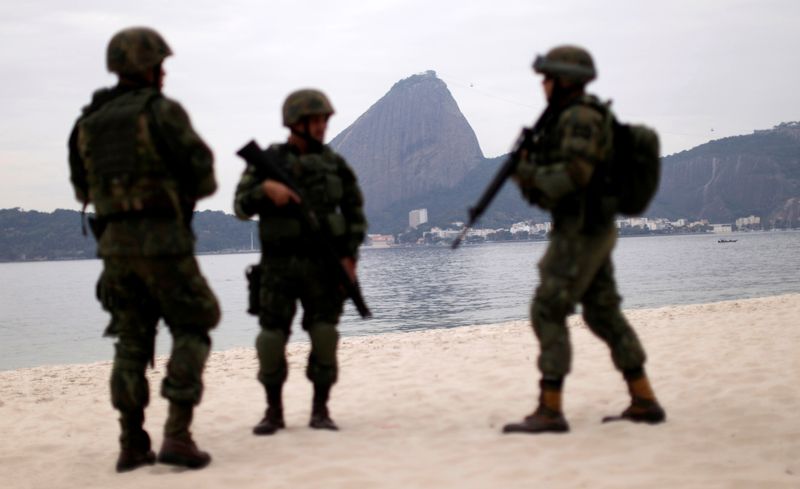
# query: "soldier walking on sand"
134 155
571 142
290 268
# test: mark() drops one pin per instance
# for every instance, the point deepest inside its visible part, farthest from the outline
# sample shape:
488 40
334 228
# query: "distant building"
748 222
521 227
417 217
680 223
531 227
722 228
443 233
380 240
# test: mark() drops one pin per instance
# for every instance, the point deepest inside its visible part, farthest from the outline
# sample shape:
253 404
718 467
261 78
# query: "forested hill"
754 174
33 235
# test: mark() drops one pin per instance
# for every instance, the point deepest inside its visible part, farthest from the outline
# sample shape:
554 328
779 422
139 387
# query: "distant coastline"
32 236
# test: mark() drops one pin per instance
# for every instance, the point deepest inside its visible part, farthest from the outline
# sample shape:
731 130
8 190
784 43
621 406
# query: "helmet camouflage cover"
303 103
571 64
136 50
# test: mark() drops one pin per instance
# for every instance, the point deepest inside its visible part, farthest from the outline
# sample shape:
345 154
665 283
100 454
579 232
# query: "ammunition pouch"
253 274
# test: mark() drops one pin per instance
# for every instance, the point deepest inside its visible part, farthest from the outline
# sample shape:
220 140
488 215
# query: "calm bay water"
48 313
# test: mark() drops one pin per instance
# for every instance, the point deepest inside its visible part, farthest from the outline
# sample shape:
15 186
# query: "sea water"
49 315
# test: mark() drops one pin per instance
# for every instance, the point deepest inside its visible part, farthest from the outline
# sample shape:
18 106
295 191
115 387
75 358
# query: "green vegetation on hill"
33 235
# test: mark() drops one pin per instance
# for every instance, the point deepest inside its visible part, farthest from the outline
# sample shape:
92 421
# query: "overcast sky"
696 70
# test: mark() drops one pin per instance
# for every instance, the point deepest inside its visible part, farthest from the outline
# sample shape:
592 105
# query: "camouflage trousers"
285 280
138 292
577 268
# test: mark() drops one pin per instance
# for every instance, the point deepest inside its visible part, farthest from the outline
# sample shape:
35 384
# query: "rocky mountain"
412 142
414 149
722 180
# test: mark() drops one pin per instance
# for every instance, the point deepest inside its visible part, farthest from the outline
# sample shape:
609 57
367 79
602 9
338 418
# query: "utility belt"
98 224
287 235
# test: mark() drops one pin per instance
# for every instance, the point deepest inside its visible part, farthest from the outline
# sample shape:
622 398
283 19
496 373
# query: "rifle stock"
255 156
505 171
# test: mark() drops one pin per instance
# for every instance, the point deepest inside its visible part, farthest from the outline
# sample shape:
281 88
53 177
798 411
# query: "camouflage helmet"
302 103
136 50
571 64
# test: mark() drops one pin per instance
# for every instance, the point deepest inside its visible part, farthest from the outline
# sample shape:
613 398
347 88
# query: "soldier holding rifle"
310 209
561 169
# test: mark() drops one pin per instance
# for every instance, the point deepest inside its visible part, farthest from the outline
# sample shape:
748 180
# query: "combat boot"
134 443
178 447
320 416
644 407
547 418
271 422
133 459
183 452
273 417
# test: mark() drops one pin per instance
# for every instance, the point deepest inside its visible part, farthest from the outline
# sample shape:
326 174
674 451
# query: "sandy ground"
425 409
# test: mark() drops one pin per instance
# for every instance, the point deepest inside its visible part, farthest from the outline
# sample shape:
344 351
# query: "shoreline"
299 336
425 409
416 245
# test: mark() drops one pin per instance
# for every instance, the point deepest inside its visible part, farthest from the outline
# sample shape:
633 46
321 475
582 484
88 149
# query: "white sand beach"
425 409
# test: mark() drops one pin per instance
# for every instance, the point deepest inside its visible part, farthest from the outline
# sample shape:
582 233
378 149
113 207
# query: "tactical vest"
589 209
316 174
126 173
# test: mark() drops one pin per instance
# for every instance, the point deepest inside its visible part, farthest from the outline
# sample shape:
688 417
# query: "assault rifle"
255 156
524 141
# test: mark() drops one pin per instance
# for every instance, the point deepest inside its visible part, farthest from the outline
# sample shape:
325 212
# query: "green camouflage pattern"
134 155
332 190
572 64
303 103
148 206
558 175
577 268
290 271
558 171
136 50
138 292
285 280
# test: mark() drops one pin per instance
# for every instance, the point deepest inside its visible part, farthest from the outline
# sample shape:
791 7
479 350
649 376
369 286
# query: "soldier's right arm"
190 153
249 196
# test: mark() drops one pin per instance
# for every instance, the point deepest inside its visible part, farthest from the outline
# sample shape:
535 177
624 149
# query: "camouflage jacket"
331 189
134 155
559 173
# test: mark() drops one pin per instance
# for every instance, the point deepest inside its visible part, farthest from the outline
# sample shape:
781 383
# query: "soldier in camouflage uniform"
571 144
135 157
290 270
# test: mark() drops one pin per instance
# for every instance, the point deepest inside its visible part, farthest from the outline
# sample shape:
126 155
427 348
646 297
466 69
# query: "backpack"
633 173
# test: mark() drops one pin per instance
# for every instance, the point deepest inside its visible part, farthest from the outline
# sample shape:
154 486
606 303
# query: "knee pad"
184 380
271 348
551 303
322 364
324 340
129 388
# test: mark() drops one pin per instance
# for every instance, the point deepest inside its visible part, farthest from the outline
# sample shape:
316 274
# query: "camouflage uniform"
577 266
290 270
134 155
562 173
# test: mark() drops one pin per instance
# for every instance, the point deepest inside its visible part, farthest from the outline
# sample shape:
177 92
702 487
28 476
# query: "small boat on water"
726 241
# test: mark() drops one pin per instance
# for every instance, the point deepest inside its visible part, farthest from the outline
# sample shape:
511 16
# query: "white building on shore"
417 217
